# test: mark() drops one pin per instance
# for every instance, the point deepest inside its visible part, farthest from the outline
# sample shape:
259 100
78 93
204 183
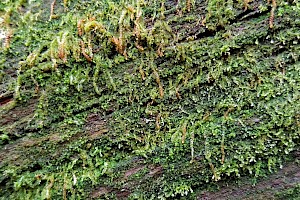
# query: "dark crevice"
6 98
251 14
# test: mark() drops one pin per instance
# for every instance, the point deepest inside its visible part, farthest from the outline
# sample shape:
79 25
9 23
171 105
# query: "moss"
291 193
191 94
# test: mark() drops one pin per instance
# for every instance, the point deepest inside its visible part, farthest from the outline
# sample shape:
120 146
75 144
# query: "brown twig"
48 187
61 50
177 93
87 57
212 167
188 5
271 20
7 39
206 116
52 9
161 90
157 121
139 47
192 147
119 45
183 128
223 149
159 51
142 73
228 111
65 5
79 26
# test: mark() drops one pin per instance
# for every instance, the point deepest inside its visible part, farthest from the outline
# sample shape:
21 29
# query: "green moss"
199 95
291 193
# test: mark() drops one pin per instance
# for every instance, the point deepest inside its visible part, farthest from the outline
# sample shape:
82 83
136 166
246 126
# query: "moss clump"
145 99
291 193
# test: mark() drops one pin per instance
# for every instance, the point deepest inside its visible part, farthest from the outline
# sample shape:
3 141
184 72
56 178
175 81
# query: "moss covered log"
145 99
